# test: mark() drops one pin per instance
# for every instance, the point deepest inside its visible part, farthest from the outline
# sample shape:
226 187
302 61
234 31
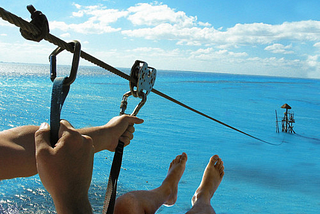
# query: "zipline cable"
207 116
31 28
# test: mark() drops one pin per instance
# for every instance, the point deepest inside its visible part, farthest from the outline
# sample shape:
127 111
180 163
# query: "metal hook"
75 63
123 105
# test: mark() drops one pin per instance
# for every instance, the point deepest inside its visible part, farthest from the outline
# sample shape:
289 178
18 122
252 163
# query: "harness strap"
110 197
59 94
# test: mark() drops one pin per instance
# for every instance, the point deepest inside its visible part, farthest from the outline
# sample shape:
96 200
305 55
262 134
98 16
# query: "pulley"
145 77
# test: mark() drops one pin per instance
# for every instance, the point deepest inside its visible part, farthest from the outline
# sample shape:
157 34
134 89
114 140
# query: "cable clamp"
40 21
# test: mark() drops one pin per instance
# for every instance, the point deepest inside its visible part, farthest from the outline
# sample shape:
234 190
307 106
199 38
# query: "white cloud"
155 52
78 6
188 42
275 62
65 35
317 45
59 25
242 54
192 44
279 48
79 13
98 20
207 24
156 14
88 27
146 50
209 53
166 31
167 27
10 52
312 61
260 33
313 66
157 21
5 23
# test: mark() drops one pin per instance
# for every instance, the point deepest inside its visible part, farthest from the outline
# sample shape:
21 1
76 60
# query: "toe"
218 164
184 157
221 169
214 159
178 158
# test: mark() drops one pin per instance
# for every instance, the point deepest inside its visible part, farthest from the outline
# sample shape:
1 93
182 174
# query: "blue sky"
258 37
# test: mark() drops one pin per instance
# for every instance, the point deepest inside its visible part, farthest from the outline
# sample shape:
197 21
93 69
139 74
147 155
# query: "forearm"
17 149
17 152
101 136
17 145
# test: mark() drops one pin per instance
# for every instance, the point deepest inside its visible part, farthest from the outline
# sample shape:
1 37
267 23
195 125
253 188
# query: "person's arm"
106 137
17 146
17 152
66 169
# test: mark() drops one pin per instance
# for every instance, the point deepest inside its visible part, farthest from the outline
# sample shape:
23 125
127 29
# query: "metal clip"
124 103
75 63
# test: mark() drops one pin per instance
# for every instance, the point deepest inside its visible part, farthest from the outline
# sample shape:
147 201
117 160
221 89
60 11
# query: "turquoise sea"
259 178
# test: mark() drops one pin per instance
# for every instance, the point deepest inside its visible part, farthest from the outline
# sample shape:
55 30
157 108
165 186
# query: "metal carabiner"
75 62
124 102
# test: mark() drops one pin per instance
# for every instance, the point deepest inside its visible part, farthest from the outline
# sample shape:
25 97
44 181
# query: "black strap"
110 197
59 94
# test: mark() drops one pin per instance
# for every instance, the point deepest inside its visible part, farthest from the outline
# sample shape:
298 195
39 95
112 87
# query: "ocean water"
259 177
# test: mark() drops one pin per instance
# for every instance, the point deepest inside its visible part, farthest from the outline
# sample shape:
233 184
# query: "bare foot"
211 180
174 175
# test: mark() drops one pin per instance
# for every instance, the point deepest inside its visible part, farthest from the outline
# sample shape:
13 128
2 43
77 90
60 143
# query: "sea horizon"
127 70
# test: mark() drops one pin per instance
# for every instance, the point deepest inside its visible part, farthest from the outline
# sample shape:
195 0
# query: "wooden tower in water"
287 120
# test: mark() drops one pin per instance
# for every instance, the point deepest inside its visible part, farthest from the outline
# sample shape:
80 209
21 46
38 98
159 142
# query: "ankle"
166 188
203 197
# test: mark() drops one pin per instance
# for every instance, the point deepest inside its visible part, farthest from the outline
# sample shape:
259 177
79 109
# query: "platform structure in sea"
287 121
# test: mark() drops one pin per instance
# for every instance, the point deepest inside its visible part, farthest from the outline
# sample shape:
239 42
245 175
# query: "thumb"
42 137
65 126
135 120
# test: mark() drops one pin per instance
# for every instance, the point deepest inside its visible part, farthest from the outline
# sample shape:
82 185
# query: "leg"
211 179
150 201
